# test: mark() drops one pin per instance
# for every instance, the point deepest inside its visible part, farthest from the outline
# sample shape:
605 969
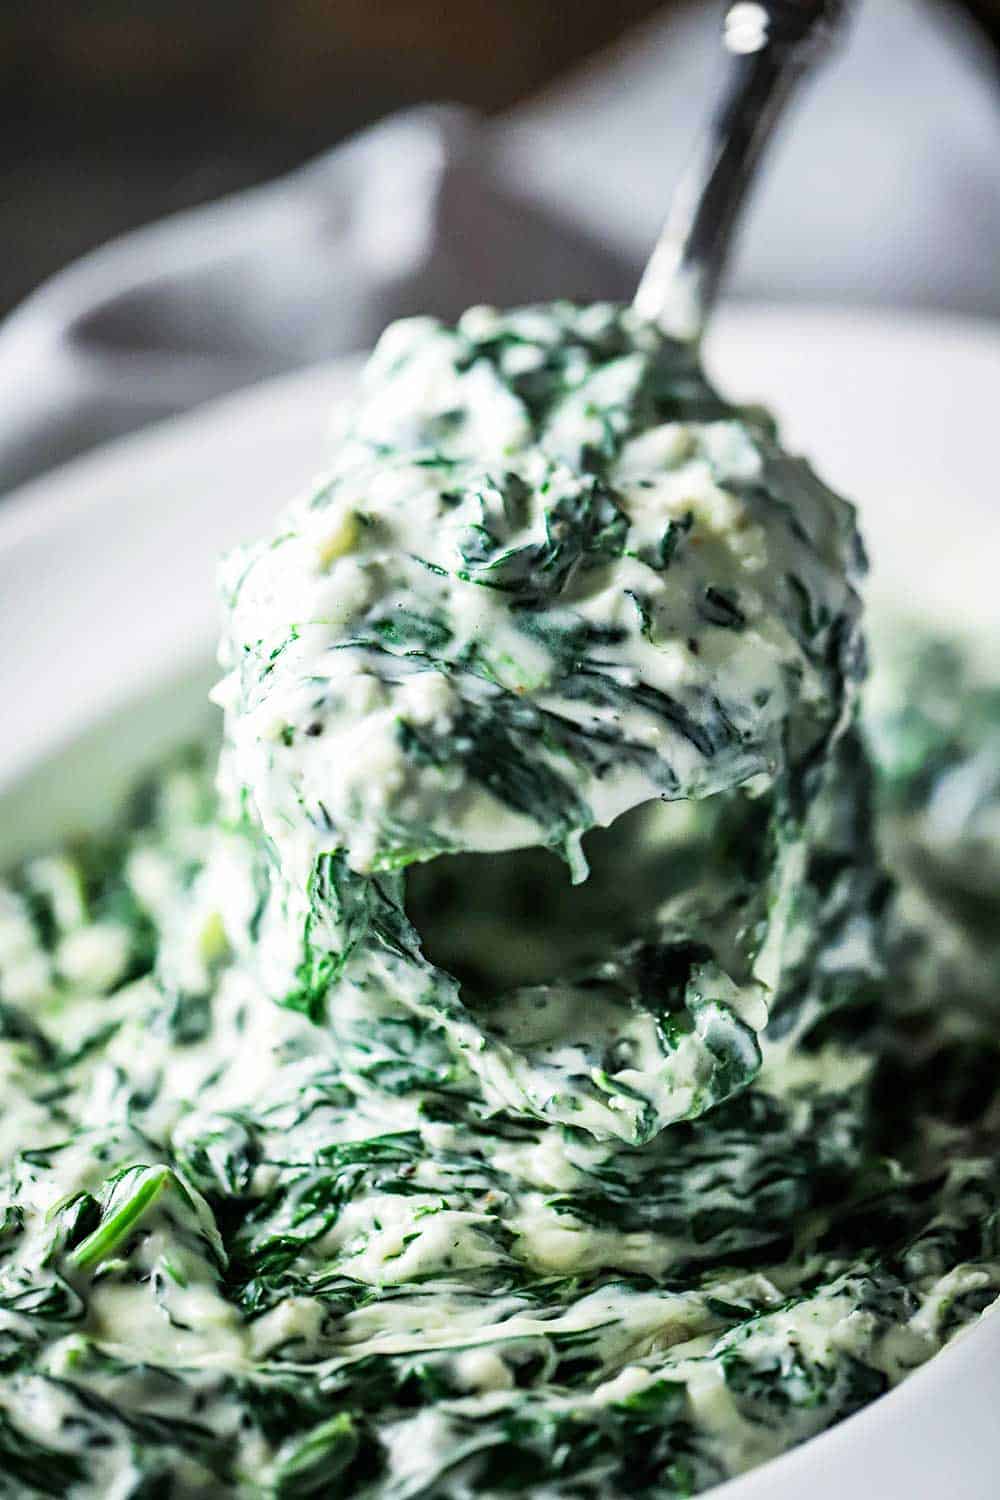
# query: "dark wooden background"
113 112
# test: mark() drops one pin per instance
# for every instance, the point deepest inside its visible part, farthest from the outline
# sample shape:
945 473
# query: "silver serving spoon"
770 46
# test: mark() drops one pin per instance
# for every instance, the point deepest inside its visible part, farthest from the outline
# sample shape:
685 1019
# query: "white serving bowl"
108 613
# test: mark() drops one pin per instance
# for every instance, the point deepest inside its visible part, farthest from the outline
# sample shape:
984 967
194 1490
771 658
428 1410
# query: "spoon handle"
769 46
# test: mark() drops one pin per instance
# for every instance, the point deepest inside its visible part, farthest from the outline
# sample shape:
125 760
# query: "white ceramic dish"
107 606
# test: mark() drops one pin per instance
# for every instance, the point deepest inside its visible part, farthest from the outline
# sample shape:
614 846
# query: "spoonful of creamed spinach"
551 576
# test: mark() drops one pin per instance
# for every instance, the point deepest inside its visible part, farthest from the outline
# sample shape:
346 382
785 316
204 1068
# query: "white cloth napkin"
886 186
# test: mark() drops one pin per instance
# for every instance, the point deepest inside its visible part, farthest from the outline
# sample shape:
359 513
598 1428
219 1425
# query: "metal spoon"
770 46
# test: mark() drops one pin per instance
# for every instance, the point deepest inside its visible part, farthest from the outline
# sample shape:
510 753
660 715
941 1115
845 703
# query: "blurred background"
428 154
115 112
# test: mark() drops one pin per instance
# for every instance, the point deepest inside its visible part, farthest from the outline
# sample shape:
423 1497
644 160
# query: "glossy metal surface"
769 47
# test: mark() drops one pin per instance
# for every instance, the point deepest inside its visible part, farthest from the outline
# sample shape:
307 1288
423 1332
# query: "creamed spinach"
521 1071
